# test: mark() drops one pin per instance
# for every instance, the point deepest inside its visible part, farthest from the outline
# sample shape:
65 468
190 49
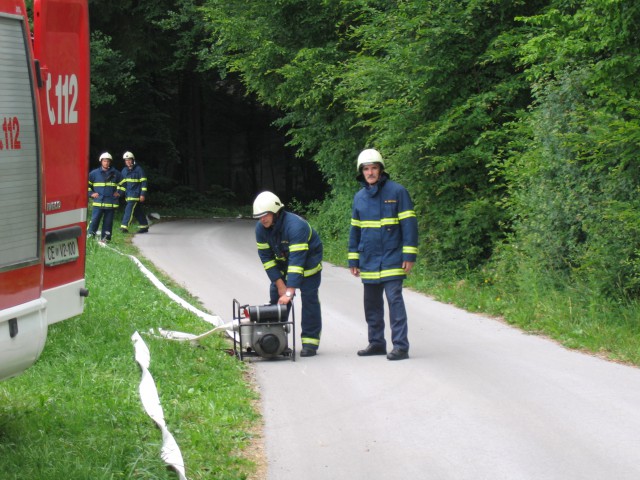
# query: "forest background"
513 124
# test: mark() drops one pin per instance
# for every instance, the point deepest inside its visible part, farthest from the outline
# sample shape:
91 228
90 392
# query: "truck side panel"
23 325
44 142
61 46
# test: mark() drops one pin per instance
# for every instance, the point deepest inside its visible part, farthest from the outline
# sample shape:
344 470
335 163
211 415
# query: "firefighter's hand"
355 271
141 198
95 195
116 194
407 266
284 300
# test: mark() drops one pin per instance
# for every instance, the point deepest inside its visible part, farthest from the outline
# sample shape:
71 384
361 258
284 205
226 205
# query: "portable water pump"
263 331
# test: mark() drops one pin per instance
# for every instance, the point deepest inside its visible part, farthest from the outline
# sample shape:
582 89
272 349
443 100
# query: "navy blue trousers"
135 210
374 313
106 215
311 318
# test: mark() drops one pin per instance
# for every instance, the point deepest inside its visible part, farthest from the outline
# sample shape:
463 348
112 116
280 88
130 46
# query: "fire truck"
44 143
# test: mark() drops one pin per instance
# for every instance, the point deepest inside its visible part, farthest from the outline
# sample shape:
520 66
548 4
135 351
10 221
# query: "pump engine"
263 331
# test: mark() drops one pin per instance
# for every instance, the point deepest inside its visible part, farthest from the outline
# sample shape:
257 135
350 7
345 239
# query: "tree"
574 188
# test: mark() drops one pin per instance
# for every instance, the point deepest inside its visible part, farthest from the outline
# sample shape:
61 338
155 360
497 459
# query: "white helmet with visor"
370 155
266 202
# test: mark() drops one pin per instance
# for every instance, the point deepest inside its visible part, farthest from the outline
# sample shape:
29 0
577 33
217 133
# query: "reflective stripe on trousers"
134 210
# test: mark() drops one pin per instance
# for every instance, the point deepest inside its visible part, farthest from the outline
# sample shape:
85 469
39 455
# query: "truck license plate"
61 252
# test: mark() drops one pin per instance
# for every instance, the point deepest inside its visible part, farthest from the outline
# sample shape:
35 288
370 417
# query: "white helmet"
266 202
370 155
128 155
106 155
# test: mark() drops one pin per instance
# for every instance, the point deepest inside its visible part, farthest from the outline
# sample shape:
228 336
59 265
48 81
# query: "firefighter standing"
382 250
291 253
103 190
134 189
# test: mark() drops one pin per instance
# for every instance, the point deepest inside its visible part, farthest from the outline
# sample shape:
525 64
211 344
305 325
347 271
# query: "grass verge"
573 317
76 414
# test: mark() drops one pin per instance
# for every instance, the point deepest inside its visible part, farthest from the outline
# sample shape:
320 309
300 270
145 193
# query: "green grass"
575 317
76 414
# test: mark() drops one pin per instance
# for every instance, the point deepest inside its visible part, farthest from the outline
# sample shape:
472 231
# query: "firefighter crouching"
291 253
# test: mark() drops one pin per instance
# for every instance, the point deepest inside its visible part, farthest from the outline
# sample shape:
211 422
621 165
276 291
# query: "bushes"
332 219
573 180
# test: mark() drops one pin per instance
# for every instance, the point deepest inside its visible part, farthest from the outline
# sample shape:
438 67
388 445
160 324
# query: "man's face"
371 172
106 163
267 220
129 163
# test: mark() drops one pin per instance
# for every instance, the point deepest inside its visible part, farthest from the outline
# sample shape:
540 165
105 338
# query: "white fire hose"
170 451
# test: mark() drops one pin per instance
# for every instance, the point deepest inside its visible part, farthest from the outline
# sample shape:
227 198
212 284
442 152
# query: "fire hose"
260 330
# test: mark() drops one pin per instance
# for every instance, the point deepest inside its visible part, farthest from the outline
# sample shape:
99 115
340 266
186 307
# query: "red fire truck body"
44 116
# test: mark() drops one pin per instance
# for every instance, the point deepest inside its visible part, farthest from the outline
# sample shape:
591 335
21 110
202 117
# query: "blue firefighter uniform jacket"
290 249
134 183
105 183
384 231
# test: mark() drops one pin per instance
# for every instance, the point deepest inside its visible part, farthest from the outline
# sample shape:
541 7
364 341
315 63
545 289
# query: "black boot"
398 354
372 349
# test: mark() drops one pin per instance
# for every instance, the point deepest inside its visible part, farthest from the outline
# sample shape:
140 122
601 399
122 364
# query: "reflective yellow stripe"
391 273
378 223
110 184
311 341
370 224
293 269
105 205
313 271
298 247
355 223
263 246
410 250
406 214
353 256
370 275
384 273
302 271
390 221
269 264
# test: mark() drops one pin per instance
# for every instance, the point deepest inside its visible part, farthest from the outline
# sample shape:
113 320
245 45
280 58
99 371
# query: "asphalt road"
477 399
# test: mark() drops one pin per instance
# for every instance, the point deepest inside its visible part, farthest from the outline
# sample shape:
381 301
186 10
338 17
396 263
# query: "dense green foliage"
574 177
513 124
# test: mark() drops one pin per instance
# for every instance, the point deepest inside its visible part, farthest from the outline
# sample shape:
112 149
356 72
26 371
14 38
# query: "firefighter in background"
291 253
383 245
103 190
134 190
